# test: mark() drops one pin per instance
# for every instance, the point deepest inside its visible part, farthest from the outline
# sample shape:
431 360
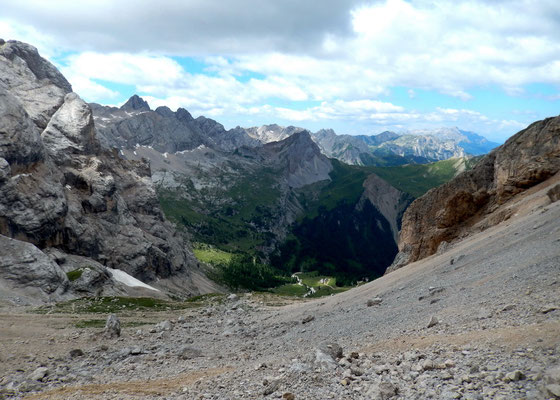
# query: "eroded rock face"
59 189
444 213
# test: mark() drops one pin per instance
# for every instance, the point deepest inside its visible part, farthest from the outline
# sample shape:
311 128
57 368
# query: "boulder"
27 271
112 326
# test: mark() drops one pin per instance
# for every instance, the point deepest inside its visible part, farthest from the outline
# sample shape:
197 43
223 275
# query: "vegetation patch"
115 305
211 255
74 275
100 323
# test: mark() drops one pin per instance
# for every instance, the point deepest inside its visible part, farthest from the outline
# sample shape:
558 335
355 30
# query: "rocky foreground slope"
472 201
478 321
65 203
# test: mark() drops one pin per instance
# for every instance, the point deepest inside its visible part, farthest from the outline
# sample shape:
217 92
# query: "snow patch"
128 280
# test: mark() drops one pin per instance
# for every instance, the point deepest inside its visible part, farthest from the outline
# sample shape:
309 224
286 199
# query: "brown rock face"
444 213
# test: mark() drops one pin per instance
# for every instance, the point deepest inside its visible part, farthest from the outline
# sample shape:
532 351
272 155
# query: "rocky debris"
112 327
449 211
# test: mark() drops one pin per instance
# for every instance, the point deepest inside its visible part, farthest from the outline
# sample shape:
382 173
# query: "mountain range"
273 191
168 131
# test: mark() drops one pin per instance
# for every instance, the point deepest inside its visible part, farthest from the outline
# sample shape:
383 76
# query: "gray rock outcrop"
27 271
60 189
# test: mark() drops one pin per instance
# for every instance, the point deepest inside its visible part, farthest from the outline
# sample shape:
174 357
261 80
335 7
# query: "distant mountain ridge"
135 123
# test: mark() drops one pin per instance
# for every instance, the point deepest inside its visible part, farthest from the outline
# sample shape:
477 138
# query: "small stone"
187 353
136 350
374 302
387 390
39 374
345 382
428 365
509 307
233 297
514 376
435 290
433 321
449 363
76 353
307 319
357 371
446 376
164 326
553 390
553 375
112 326
548 308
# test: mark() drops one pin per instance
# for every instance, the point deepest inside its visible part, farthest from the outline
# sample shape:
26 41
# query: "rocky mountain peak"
303 160
136 103
41 68
183 115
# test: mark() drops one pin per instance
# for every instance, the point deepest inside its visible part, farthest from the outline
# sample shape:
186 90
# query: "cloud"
180 27
266 58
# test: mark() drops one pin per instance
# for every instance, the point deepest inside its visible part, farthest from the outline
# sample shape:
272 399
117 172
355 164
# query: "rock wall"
390 201
447 212
60 189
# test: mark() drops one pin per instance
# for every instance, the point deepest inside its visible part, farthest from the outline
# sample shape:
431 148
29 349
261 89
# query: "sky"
359 67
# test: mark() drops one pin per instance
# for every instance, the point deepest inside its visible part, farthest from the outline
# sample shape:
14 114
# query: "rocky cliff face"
453 209
390 202
59 189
